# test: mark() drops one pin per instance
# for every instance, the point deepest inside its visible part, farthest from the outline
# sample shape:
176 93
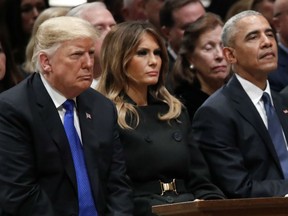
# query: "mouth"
219 68
86 77
152 73
267 55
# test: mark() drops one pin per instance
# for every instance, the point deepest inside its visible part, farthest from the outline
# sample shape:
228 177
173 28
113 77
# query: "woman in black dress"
163 164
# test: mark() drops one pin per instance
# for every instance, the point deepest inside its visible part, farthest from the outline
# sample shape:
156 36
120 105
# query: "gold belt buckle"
171 186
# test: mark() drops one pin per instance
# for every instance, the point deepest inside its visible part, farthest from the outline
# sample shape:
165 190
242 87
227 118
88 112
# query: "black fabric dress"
157 150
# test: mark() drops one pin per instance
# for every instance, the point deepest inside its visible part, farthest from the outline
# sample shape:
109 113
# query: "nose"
267 41
88 60
153 59
105 31
35 12
219 53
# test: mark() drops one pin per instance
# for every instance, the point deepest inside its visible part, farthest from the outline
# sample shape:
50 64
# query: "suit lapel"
87 119
282 58
282 112
52 122
245 107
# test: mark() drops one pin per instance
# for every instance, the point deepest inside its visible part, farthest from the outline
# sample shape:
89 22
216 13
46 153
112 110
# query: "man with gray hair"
60 151
242 129
100 17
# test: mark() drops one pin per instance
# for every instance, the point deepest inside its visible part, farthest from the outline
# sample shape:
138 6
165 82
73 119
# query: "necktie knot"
266 98
69 105
267 105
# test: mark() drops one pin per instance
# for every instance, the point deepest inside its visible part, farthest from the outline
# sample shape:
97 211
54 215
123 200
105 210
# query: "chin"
270 68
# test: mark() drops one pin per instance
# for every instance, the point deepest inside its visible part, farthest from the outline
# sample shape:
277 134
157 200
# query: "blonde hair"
57 30
118 47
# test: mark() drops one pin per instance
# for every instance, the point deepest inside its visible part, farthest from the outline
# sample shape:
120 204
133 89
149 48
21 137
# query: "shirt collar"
171 51
253 91
57 98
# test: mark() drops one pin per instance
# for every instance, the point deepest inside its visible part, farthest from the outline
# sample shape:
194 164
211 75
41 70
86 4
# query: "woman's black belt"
176 186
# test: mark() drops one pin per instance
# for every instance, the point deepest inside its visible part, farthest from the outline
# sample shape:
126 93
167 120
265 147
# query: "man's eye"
91 53
76 54
252 37
100 28
270 34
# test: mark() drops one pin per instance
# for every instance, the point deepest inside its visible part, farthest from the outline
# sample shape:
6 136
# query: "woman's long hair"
118 48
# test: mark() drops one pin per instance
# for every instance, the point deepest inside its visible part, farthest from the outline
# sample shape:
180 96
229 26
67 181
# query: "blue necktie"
276 134
85 198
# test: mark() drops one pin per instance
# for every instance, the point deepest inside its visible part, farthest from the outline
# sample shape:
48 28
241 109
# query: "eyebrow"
267 30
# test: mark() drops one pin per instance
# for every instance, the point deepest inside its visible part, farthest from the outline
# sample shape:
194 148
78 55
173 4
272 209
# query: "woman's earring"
191 67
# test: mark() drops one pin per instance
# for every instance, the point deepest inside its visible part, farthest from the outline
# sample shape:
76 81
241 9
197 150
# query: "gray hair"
78 10
230 27
53 32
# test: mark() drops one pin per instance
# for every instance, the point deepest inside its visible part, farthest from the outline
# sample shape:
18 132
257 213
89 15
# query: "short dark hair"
166 12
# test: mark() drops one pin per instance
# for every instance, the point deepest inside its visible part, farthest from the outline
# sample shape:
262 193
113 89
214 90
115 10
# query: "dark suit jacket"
278 79
237 144
37 174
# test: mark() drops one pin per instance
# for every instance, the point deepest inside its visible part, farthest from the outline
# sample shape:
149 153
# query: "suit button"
177 136
170 199
148 139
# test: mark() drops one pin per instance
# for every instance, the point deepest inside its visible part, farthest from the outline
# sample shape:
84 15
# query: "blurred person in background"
151 10
114 6
221 7
27 66
200 68
101 18
279 78
20 18
175 16
133 10
9 74
265 7
237 7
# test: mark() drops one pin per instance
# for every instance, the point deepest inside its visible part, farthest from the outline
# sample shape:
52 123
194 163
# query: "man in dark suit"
279 78
38 169
175 16
231 126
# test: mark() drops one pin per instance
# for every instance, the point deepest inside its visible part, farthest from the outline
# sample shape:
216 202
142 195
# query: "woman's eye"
141 52
157 52
208 47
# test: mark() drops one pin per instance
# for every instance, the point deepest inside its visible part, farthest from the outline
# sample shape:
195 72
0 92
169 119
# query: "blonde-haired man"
60 152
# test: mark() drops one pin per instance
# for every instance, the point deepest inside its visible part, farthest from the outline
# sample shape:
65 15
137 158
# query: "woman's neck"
138 96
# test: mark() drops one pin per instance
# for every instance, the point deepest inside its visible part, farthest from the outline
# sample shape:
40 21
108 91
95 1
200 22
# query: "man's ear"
229 54
165 32
44 62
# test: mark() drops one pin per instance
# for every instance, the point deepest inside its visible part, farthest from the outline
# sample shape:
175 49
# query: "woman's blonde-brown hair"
118 48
